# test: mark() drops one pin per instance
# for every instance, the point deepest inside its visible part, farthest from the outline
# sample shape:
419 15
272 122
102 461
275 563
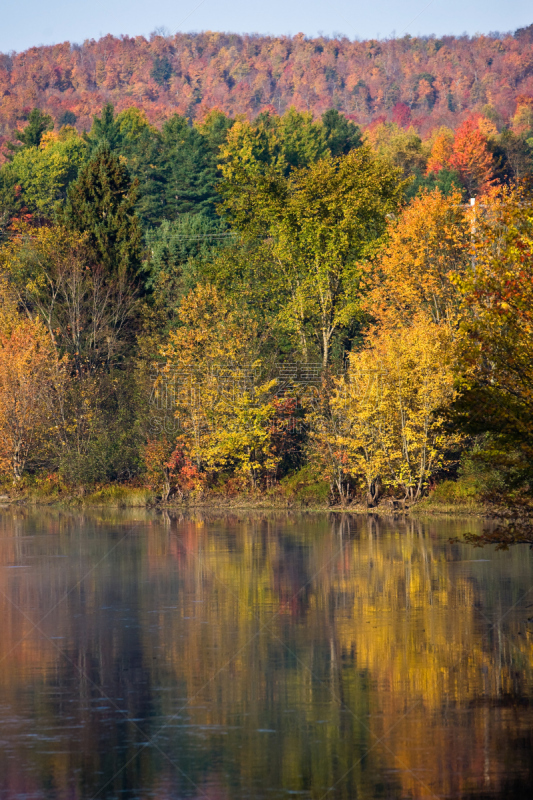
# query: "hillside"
425 82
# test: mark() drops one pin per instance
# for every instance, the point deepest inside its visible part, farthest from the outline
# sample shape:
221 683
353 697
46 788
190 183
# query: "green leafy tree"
11 201
322 224
497 331
141 150
214 129
45 172
273 143
447 181
402 148
518 154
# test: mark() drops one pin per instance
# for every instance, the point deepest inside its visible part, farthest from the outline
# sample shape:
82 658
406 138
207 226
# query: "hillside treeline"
289 305
427 82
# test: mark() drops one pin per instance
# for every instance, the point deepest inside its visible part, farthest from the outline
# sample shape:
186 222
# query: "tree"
45 172
31 135
427 246
214 128
342 135
270 146
189 168
161 70
518 154
323 223
101 203
11 202
522 122
403 149
86 310
441 151
105 130
497 331
174 247
88 315
224 414
385 422
472 158
32 381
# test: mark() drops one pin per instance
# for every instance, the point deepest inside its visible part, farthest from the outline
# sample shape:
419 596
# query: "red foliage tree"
401 114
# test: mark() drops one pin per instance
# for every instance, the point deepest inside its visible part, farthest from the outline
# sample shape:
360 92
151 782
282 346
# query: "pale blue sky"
33 22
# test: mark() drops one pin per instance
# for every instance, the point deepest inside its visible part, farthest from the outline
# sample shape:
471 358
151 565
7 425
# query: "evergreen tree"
174 246
101 203
341 134
214 129
144 158
189 169
31 135
11 201
67 118
161 70
106 130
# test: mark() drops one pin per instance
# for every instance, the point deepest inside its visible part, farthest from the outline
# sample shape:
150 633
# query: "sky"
28 23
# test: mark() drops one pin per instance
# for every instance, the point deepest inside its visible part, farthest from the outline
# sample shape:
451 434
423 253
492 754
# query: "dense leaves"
224 302
421 80
101 203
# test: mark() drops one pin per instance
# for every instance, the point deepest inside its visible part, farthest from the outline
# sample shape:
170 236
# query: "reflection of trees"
332 632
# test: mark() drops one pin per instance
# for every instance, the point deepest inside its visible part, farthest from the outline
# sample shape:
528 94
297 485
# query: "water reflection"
265 655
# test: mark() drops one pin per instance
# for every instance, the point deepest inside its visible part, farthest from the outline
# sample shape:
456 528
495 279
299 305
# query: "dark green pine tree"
31 135
105 130
341 134
144 157
161 71
101 203
189 169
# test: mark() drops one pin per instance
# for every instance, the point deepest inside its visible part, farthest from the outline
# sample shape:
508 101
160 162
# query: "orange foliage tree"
441 151
497 351
427 243
472 159
31 378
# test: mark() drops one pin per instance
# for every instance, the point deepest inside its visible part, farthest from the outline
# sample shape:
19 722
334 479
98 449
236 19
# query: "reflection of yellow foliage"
340 632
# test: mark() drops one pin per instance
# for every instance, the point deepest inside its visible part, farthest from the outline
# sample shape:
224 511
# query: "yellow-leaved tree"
211 363
385 422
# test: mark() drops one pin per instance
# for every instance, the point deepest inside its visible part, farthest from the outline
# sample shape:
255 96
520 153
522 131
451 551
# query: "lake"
261 655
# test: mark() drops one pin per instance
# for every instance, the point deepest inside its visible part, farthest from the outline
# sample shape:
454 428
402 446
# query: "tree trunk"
166 485
375 490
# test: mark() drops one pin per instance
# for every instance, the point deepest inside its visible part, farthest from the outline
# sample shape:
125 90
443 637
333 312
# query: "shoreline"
139 498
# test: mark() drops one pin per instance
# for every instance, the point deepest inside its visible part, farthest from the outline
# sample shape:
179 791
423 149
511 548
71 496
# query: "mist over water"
261 655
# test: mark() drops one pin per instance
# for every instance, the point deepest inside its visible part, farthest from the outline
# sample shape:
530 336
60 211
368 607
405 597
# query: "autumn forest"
296 269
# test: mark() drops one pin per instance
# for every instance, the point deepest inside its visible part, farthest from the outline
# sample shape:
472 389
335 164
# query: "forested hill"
426 82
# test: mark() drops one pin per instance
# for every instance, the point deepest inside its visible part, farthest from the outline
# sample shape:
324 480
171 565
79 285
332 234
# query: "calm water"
261 656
